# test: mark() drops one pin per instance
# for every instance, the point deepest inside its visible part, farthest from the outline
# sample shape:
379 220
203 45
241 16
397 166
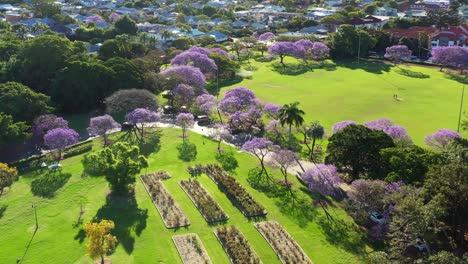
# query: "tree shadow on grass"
127 217
290 68
343 234
2 210
412 74
327 65
291 203
376 67
47 184
463 79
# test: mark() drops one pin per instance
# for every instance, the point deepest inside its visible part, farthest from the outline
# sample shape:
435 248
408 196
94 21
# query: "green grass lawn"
142 235
430 101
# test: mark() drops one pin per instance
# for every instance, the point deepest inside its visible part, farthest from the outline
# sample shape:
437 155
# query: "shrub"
187 151
227 160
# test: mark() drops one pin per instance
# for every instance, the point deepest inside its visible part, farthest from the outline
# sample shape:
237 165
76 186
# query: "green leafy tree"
82 86
127 74
126 25
227 67
45 8
290 115
348 41
21 102
356 149
408 164
119 164
42 57
11 132
313 131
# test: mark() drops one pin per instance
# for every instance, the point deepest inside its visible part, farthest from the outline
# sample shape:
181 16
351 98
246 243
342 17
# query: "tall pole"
359 48
35 213
461 104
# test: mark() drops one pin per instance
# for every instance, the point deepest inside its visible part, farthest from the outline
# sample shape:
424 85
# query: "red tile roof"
412 32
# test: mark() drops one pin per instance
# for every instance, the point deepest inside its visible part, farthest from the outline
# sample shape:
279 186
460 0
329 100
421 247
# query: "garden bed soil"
208 197
191 249
169 208
285 247
240 240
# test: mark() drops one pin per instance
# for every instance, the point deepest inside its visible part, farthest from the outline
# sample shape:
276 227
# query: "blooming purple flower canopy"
100 125
185 120
258 146
142 115
190 75
207 103
183 95
273 125
272 110
285 48
196 59
398 52
396 132
44 123
198 49
219 51
266 36
340 125
319 51
59 138
323 179
455 56
441 139
238 99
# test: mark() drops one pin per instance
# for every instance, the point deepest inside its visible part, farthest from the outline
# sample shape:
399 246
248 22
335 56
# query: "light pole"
461 103
35 213
359 47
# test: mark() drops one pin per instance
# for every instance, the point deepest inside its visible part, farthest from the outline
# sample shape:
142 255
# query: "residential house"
452 36
218 36
386 11
368 22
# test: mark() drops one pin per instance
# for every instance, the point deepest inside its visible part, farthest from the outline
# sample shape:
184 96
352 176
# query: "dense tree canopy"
348 41
127 74
124 101
21 102
41 57
126 25
356 149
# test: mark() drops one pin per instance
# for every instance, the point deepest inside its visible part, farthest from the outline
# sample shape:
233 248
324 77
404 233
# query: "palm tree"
291 115
166 34
315 131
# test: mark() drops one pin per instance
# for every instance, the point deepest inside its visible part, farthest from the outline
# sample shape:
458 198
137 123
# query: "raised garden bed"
191 249
234 191
168 208
288 251
236 246
204 202
158 175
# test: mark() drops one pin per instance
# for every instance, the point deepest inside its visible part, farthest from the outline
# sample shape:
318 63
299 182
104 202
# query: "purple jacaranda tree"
188 75
397 53
320 51
101 125
208 104
368 195
198 49
243 109
185 120
306 44
260 148
283 159
60 138
219 133
267 36
139 117
44 123
272 110
342 124
94 19
441 139
183 95
284 48
454 56
397 133
323 179
255 35
275 132
219 51
196 59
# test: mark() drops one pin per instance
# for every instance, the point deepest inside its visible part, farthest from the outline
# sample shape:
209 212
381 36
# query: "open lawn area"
427 99
142 235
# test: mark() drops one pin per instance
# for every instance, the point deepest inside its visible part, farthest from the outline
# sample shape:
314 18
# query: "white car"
376 217
55 166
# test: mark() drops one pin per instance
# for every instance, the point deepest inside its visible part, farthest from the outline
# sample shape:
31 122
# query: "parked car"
202 120
377 217
55 166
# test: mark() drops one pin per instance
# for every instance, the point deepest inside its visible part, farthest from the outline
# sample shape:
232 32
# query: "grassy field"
346 90
142 235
